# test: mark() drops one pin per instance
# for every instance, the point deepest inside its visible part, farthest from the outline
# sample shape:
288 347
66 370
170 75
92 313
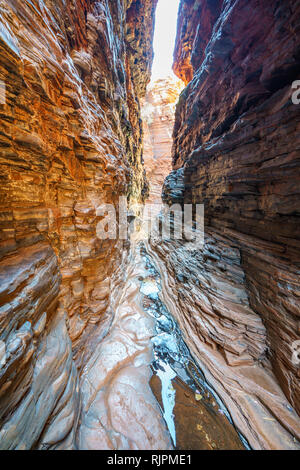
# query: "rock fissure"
146 343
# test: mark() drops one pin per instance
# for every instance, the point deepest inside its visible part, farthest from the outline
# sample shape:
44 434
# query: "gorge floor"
141 387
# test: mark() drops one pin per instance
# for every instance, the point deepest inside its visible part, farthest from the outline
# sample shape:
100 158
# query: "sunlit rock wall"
70 140
236 149
158 112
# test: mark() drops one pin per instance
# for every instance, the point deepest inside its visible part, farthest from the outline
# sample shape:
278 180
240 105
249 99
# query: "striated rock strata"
236 150
75 340
70 140
158 112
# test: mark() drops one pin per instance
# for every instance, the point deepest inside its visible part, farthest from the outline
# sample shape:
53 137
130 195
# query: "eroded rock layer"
236 150
70 140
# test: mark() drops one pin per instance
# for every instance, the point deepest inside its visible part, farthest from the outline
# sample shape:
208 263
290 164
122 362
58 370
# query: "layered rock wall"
236 150
158 112
70 140
72 74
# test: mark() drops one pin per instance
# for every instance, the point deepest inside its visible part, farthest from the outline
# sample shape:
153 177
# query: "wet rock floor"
195 416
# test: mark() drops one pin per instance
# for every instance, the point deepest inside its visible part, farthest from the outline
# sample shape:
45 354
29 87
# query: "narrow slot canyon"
149 225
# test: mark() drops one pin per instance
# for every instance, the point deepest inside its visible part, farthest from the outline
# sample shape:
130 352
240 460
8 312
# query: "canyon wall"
236 150
70 140
158 113
72 76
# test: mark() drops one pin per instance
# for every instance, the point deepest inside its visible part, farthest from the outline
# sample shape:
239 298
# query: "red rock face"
158 121
196 20
70 140
236 149
74 333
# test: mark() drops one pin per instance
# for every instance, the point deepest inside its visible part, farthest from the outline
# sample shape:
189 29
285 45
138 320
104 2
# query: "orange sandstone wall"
70 139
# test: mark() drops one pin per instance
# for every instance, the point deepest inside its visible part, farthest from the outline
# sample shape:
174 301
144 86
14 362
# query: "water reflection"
195 415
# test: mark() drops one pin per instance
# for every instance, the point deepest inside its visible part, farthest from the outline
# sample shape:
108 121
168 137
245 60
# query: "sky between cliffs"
164 38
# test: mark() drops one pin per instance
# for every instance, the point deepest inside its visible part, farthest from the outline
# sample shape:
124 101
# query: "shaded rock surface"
198 425
173 188
236 150
205 291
